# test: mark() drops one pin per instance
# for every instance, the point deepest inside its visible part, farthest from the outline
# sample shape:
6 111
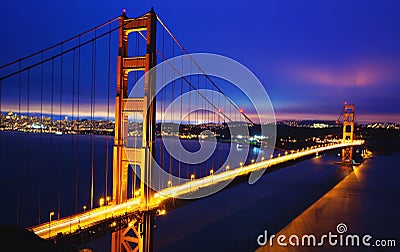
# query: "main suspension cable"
199 67
58 44
64 52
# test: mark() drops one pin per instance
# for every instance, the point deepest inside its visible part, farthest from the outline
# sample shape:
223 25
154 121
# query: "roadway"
86 219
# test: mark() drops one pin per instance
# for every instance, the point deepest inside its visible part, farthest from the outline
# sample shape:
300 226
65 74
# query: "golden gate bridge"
68 89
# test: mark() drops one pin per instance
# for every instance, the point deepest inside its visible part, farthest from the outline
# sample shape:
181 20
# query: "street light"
101 202
50 215
227 167
84 208
212 172
169 183
191 179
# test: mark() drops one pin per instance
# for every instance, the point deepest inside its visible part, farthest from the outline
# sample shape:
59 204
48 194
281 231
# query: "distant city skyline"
103 117
311 56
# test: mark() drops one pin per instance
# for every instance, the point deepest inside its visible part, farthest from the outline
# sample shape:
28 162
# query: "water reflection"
359 201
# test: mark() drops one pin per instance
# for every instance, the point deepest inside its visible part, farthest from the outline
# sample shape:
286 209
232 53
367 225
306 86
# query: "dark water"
230 220
41 173
39 169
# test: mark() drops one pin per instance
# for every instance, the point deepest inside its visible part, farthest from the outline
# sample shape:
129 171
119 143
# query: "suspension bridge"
68 90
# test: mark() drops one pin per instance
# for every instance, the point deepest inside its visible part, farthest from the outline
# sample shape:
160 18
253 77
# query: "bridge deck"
86 219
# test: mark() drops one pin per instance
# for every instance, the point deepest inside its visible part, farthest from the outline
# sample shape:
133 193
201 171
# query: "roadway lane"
82 220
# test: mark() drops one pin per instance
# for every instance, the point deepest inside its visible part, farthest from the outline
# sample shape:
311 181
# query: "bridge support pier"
147 232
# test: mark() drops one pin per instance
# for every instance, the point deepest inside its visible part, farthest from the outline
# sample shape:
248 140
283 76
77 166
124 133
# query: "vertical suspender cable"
172 115
164 118
134 171
235 115
108 105
136 77
197 120
220 126
212 125
189 89
19 146
207 104
72 126
223 118
210 113
52 126
51 135
180 121
78 127
91 133
60 128
230 110
163 101
93 104
41 140
205 120
26 177
189 113
197 99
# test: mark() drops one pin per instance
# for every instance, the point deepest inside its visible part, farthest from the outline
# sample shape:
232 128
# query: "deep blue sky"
310 55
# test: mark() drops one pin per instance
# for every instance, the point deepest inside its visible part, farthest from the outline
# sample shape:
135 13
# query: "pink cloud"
366 73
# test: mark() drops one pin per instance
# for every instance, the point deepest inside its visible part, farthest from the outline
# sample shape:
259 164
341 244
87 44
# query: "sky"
311 56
